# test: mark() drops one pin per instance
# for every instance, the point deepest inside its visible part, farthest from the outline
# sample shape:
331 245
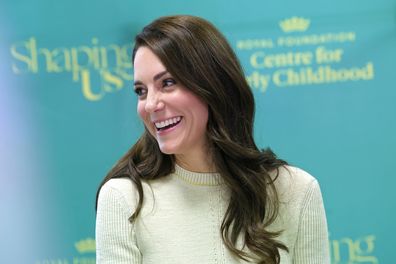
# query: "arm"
312 244
115 235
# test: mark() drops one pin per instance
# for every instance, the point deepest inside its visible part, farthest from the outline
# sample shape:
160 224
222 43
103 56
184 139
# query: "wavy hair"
200 58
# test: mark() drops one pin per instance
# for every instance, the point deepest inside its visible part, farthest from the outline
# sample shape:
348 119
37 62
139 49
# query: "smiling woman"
195 188
172 114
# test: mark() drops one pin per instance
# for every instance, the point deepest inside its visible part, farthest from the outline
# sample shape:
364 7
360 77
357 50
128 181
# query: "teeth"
167 122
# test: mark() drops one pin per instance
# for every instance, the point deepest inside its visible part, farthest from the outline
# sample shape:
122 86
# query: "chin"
168 149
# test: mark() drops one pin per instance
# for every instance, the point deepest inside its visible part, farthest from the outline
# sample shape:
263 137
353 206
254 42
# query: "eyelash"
168 82
139 91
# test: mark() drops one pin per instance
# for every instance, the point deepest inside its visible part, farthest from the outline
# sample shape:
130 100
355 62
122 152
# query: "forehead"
146 64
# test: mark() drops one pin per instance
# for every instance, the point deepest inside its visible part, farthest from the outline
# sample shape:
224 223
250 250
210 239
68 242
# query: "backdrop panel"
322 74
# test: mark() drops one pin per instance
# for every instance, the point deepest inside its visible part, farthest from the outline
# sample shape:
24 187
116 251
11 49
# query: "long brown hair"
198 56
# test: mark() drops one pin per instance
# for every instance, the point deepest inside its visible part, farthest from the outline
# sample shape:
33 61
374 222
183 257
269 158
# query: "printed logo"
98 69
294 24
297 58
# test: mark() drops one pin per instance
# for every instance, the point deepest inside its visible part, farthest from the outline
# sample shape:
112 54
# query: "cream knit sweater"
181 217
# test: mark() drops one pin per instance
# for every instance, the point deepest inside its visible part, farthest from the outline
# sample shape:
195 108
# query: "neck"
197 163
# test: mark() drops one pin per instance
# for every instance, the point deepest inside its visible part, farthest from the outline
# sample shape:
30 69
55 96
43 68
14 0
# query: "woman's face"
175 116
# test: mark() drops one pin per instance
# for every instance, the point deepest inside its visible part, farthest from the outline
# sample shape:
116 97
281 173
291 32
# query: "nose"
154 102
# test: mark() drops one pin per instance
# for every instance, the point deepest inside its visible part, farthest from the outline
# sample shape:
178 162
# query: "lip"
169 130
163 119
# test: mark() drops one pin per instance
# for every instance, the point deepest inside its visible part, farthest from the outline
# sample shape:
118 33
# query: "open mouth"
169 123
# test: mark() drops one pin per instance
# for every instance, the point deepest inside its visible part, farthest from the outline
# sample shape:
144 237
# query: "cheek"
145 117
141 112
201 111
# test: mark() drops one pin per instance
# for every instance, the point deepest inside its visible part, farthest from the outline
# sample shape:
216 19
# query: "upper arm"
115 235
312 245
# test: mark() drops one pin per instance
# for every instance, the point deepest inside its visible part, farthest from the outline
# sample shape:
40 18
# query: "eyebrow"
155 78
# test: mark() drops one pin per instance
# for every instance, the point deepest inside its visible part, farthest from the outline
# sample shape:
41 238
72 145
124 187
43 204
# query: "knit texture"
182 213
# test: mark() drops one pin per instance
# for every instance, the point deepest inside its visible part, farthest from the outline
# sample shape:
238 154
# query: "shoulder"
293 181
121 191
300 198
302 215
123 186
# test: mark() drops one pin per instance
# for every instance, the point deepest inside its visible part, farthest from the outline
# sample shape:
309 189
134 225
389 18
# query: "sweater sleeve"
115 235
312 240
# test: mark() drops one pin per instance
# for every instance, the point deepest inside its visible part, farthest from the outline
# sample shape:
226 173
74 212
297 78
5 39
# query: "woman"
195 188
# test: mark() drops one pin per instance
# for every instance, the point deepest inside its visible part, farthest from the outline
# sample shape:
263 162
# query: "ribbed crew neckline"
198 178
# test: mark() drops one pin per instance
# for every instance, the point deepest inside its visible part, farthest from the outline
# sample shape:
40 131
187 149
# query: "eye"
168 82
140 91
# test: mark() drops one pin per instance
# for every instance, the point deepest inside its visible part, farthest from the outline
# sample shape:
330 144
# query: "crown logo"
86 246
294 24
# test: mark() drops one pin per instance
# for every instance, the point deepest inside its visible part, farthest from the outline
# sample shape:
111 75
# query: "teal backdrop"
322 72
